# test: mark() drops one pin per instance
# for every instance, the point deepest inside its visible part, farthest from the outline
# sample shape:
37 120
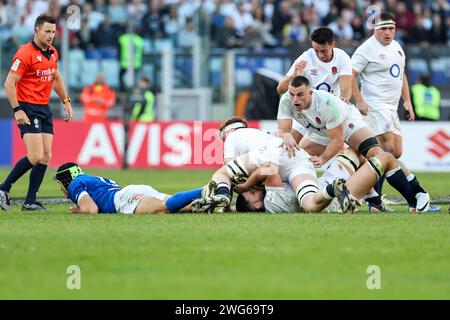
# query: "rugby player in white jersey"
359 183
326 67
380 64
335 122
239 139
270 159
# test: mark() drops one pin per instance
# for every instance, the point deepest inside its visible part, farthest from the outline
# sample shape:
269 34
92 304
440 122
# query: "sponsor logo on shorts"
138 197
351 125
36 123
318 120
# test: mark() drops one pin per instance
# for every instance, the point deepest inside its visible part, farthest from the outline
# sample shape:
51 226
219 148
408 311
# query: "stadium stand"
250 27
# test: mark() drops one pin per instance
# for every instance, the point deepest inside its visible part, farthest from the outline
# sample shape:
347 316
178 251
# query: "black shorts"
40 119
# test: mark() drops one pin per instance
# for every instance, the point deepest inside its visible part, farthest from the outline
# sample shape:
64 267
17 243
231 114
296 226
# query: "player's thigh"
34 143
362 181
386 141
358 137
297 180
150 205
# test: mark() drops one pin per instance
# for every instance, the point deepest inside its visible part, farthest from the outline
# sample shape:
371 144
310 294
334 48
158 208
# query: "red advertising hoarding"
184 144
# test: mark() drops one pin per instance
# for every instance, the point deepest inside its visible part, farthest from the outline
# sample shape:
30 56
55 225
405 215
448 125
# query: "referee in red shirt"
33 73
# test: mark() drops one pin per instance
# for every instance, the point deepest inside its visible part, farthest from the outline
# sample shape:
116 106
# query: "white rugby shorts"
383 120
127 199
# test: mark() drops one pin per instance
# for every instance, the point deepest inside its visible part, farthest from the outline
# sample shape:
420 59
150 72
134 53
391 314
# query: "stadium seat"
440 71
90 69
416 67
111 71
76 58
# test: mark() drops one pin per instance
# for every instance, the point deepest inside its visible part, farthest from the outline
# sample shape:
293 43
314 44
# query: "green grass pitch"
229 256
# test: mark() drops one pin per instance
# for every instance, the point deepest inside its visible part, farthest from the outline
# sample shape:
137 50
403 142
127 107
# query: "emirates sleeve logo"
440 144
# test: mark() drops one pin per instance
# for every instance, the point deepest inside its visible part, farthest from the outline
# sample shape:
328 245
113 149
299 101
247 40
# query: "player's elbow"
281 88
9 84
89 209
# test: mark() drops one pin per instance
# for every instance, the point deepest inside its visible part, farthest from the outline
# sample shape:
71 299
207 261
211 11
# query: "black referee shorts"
40 119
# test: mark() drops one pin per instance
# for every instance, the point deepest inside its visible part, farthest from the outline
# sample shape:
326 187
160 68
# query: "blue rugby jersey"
101 190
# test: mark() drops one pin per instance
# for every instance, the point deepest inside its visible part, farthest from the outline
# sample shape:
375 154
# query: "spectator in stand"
106 35
229 38
419 34
84 35
332 15
187 34
100 6
93 17
438 34
343 31
171 24
118 14
260 30
242 18
136 11
97 99
359 32
281 17
151 22
404 21
295 31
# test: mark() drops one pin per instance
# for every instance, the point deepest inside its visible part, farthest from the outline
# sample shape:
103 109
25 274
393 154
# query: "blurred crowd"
252 24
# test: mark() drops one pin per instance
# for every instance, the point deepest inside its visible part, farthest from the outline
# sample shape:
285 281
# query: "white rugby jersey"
244 140
326 112
381 69
324 75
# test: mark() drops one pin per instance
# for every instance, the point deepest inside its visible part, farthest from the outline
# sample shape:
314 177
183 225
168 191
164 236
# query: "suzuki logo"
440 144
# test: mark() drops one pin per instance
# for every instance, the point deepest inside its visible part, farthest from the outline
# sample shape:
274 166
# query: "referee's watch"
18 108
67 99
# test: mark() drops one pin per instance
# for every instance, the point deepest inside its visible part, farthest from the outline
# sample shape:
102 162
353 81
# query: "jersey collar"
48 53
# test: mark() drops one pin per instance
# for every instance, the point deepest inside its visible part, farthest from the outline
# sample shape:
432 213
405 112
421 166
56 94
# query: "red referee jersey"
37 69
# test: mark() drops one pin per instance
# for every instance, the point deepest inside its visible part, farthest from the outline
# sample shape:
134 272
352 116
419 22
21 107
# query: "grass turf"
232 256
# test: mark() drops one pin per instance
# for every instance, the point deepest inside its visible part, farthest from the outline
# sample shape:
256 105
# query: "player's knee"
397 153
235 168
380 163
369 147
35 157
46 158
305 193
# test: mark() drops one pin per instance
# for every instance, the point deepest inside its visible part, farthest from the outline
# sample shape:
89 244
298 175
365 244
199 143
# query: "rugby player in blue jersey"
93 194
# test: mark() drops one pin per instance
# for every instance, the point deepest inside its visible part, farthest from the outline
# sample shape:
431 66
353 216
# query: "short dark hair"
299 81
42 19
243 205
386 16
322 35
67 172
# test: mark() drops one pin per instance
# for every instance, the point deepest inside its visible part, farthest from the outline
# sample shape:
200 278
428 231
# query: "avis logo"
440 144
